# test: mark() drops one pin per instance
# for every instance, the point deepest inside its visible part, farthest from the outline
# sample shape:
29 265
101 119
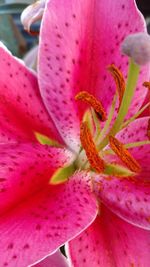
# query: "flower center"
98 144
94 139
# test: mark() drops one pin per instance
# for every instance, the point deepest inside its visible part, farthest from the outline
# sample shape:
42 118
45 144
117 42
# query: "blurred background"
19 41
144 6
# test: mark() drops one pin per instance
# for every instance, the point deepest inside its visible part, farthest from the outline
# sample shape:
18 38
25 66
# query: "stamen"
146 84
91 152
128 145
124 154
148 129
93 102
119 80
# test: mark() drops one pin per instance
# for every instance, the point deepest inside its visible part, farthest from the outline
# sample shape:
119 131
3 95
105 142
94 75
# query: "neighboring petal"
147 100
32 14
135 131
25 169
55 260
21 109
126 197
110 241
77 43
53 216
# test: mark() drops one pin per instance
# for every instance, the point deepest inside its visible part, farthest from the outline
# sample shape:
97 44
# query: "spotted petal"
55 260
77 43
25 169
129 198
110 241
21 109
53 216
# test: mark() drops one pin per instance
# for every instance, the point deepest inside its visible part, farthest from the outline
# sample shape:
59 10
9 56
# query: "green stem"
96 122
126 123
133 74
107 123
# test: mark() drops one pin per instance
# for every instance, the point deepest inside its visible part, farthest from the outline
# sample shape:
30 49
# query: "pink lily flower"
38 216
65 28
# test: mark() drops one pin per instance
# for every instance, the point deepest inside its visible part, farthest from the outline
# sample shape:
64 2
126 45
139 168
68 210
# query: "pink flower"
78 40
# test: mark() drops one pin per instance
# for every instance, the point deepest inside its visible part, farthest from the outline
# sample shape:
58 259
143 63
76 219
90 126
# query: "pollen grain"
146 84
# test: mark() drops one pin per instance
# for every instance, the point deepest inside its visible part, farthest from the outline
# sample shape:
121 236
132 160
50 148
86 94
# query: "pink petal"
126 198
110 241
42 223
77 43
55 260
21 109
25 169
147 100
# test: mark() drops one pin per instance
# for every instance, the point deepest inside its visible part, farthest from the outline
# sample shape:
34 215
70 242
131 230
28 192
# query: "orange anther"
93 102
91 152
146 84
124 154
119 80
